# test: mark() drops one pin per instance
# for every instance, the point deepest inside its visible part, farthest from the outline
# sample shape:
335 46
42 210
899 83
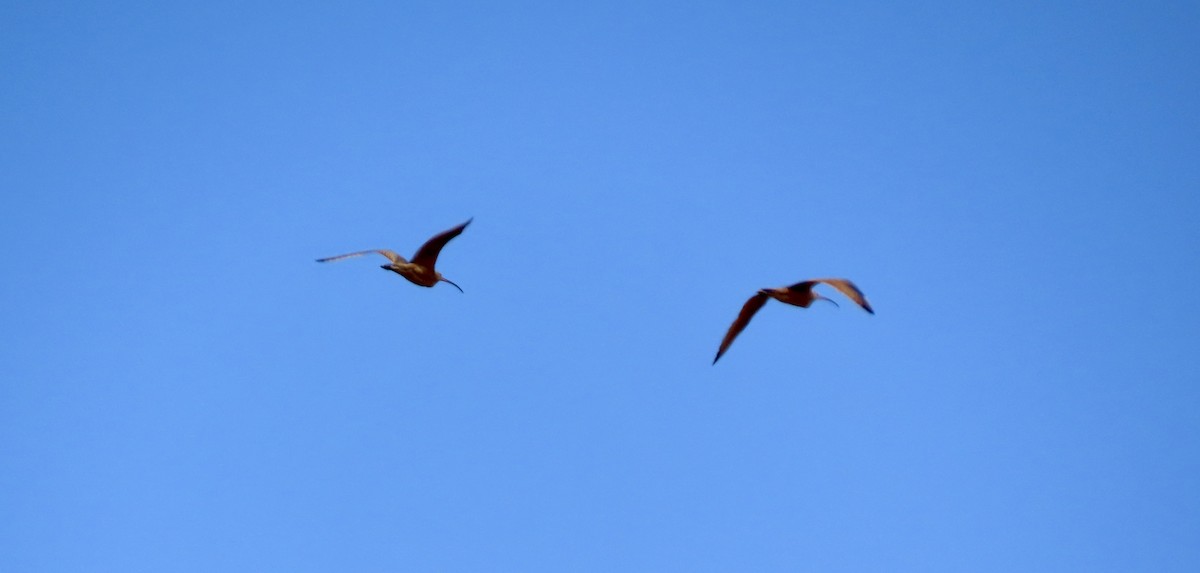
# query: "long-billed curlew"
800 294
420 271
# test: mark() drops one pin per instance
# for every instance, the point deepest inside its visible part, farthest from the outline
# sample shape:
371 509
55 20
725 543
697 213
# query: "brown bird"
800 294
420 271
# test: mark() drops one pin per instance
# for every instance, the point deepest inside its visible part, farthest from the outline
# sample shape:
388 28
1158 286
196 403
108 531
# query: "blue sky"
1013 185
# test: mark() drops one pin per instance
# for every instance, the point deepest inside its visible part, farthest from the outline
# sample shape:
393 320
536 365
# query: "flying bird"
420 270
800 294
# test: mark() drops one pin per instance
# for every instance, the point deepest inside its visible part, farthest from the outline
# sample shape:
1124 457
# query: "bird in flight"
800 294
420 270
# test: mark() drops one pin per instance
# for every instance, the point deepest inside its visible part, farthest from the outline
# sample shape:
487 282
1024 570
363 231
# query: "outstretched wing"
397 259
428 253
850 290
803 285
743 319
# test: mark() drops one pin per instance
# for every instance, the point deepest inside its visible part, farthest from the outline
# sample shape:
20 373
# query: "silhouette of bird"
800 294
420 270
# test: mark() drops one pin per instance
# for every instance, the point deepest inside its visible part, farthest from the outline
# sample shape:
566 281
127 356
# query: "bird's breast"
790 297
418 275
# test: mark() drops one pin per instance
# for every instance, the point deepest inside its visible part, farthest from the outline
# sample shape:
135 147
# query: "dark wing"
803 286
743 319
850 290
397 259
428 253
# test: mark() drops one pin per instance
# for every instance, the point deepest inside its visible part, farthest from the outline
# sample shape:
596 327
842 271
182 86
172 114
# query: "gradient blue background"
1013 184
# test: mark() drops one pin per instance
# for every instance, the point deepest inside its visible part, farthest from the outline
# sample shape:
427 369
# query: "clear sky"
1015 186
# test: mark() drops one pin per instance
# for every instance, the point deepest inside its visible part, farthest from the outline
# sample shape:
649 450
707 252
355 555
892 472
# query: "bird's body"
416 274
800 294
420 271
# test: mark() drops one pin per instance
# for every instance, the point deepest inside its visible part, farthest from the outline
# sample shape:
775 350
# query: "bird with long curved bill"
420 270
800 294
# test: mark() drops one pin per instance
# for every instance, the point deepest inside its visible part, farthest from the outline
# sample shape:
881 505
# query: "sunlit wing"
743 319
428 253
397 259
850 290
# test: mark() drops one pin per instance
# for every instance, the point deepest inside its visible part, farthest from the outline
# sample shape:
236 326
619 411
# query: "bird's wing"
428 253
850 290
743 319
802 285
397 259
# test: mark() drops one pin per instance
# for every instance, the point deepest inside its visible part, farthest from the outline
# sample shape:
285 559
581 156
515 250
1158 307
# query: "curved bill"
452 282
